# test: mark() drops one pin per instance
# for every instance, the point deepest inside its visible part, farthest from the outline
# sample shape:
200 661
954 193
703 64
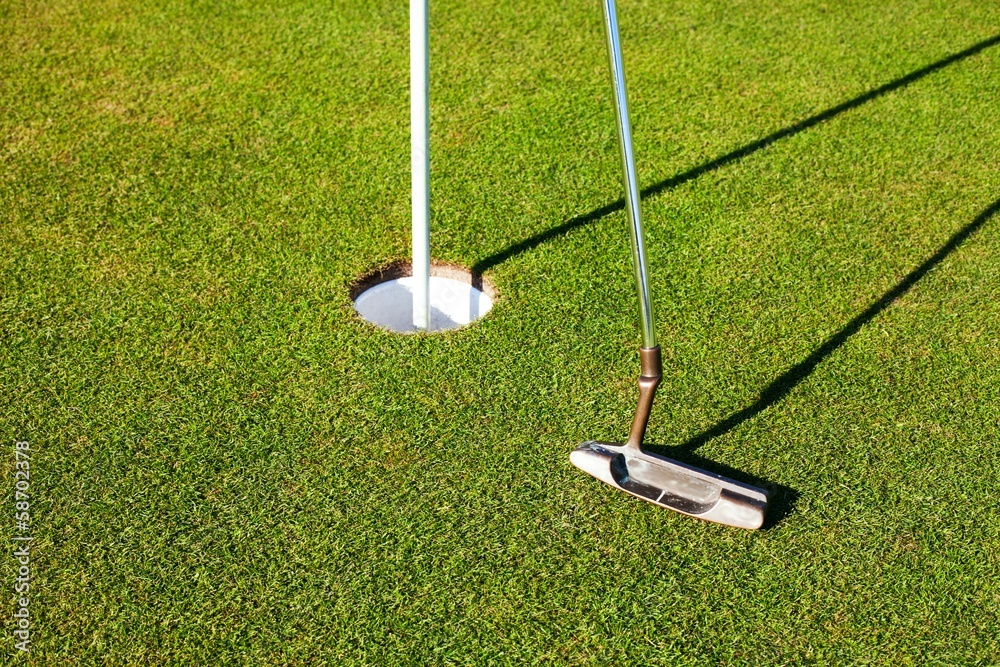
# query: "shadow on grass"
507 253
783 498
791 378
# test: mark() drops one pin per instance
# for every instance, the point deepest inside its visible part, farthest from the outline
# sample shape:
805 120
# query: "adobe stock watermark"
22 545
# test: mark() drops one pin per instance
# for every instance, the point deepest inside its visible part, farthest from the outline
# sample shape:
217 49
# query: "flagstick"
420 164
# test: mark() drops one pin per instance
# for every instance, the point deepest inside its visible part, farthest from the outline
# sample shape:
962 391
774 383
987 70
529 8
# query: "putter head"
673 485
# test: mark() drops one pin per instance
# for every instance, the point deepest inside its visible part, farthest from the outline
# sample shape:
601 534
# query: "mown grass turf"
230 468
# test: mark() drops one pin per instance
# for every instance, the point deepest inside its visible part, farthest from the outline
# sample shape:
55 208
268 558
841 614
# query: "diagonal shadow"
495 259
783 498
794 376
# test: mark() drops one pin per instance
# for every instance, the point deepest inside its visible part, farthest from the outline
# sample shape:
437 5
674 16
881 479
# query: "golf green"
229 467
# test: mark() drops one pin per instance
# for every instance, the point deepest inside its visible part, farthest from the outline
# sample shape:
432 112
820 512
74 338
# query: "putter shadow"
515 249
794 376
783 498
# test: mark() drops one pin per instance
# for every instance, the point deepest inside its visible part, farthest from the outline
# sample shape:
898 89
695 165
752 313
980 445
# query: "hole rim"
403 268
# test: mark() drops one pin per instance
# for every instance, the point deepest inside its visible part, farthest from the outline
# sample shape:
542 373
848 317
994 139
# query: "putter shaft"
637 237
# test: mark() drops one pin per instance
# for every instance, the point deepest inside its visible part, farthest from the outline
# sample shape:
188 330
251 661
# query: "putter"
627 466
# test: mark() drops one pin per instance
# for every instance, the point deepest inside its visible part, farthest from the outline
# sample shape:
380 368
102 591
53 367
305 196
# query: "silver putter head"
673 485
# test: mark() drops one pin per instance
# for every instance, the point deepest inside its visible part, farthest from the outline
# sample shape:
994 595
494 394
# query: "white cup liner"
454 301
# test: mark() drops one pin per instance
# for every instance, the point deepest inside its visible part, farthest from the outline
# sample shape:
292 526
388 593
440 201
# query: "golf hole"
458 297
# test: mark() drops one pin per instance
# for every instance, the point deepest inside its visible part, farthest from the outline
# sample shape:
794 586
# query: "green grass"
230 468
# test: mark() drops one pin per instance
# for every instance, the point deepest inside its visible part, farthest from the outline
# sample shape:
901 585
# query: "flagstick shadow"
511 251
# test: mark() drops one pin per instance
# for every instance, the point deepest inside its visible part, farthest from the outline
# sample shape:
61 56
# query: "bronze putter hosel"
628 466
649 380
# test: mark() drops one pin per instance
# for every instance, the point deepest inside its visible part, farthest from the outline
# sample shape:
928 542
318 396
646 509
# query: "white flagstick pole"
420 163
